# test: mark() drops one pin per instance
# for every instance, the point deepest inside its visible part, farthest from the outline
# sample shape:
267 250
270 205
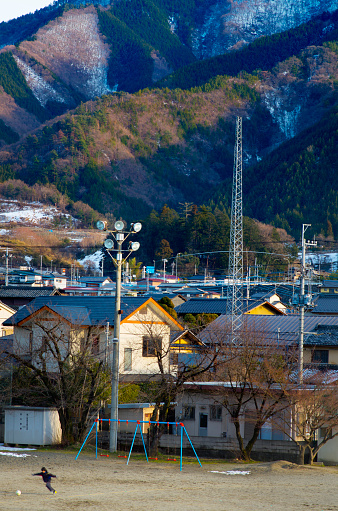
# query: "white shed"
27 425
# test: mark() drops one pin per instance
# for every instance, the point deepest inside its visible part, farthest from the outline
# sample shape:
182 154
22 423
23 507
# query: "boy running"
46 476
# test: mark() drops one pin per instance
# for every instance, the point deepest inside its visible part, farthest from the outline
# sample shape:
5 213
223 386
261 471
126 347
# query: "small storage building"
25 425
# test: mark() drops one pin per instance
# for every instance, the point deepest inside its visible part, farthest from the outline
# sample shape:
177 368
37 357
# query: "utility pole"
7 256
164 261
119 235
302 303
235 279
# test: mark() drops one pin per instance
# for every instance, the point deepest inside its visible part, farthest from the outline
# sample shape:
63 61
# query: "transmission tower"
235 279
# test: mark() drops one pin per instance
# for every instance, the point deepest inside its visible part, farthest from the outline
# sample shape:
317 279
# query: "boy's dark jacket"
46 476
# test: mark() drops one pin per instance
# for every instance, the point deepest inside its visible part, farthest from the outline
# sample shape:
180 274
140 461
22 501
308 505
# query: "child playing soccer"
46 476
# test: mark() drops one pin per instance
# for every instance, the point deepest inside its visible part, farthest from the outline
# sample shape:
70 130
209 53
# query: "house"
320 340
145 329
54 279
212 430
95 281
321 347
5 313
326 304
210 306
18 296
24 276
329 287
176 299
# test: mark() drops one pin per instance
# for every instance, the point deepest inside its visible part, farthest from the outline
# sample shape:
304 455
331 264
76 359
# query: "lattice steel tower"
235 279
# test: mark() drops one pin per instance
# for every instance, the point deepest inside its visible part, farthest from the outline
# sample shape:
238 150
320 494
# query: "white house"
145 330
5 313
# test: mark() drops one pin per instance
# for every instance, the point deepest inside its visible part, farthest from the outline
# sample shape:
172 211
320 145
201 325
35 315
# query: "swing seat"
106 455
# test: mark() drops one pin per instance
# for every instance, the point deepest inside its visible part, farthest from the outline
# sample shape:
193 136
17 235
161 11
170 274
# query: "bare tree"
59 364
314 418
164 378
257 377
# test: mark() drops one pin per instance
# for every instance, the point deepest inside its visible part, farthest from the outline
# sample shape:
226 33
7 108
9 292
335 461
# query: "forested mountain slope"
298 183
123 152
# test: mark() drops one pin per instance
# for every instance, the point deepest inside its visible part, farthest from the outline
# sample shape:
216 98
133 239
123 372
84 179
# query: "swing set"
138 426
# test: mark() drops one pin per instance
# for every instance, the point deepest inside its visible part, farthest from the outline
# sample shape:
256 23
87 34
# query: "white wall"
32 426
329 452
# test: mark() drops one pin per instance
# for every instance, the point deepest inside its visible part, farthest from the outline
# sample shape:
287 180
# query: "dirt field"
109 484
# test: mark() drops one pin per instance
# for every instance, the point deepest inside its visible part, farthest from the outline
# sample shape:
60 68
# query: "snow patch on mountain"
92 260
72 47
286 116
41 89
30 213
228 23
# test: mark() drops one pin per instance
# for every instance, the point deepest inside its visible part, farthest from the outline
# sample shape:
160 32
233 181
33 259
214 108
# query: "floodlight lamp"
119 225
136 227
109 244
134 246
101 225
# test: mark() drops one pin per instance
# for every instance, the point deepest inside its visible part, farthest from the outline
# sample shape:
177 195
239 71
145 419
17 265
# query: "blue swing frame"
138 425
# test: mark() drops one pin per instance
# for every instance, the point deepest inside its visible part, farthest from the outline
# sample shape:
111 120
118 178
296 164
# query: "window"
174 358
143 310
151 346
320 356
215 412
128 354
188 412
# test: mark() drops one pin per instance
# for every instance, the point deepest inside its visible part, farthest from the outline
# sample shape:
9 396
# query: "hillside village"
110 318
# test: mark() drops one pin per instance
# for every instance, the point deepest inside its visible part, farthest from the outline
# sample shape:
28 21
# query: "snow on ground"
322 259
29 212
231 472
11 451
14 454
6 448
92 259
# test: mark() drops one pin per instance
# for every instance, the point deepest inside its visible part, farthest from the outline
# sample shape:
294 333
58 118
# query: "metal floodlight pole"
119 237
302 304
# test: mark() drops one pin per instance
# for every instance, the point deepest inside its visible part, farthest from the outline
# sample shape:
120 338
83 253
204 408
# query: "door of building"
203 426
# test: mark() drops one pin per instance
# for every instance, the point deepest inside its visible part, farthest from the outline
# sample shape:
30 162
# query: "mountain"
125 152
226 25
66 123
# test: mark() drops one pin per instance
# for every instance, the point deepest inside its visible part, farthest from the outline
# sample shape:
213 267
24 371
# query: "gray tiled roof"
284 329
330 283
324 335
326 304
80 310
212 306
202 306
25 291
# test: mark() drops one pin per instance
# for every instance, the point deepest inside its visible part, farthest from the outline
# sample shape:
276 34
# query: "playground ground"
108 484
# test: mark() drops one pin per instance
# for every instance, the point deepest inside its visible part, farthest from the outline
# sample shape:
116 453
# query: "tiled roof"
25 291
326 304
80 310
212 306
330 283
284 329
324 335
202 306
